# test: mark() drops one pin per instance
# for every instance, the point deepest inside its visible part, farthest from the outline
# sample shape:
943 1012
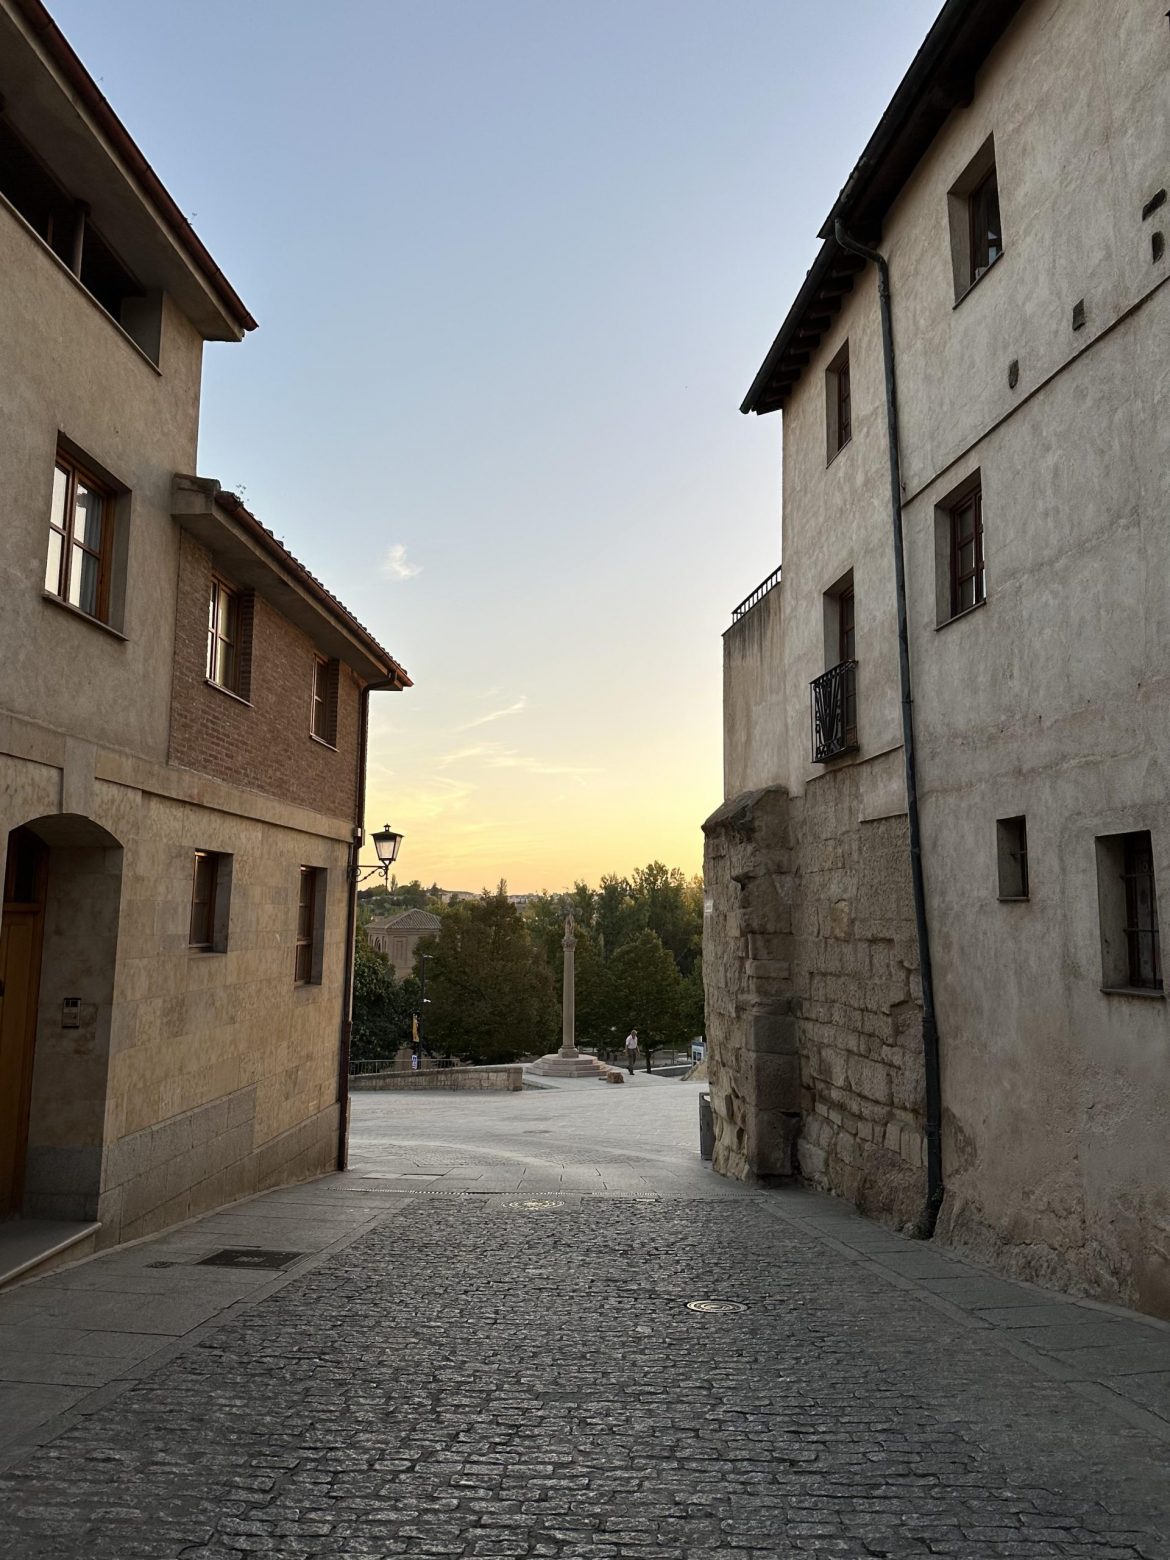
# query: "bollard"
706 1127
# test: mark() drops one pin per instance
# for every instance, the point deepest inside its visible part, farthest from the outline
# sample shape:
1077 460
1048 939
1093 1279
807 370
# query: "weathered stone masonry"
813 1012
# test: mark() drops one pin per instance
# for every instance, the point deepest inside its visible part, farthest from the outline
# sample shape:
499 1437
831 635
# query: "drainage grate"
715 1307
537 1204
249 1257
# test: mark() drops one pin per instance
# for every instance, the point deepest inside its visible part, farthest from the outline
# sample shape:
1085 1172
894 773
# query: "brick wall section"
813 1001
265 744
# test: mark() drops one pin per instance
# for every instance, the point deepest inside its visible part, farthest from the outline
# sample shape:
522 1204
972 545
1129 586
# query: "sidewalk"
478 1343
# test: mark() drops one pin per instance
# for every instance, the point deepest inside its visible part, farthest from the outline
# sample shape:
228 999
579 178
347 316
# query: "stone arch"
62 999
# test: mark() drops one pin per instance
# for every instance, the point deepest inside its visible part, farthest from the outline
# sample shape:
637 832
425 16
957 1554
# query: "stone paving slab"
478 1378
457 1368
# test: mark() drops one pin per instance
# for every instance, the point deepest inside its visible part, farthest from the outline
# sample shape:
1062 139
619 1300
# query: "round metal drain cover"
715 1307
537 1204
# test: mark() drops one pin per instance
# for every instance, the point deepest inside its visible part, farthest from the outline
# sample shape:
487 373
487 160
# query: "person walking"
631 1050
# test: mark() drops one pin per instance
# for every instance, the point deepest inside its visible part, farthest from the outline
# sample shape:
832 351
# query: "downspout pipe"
930 1043
355 846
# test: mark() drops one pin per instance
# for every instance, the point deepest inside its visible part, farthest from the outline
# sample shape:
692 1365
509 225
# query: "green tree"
670 904
382 1006
491 994
646 989
692 1019
617 918
596 1019
545 919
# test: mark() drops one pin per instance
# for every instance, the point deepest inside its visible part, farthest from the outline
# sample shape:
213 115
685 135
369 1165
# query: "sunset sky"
515 263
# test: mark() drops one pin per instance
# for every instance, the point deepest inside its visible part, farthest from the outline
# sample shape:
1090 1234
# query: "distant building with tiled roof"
398 936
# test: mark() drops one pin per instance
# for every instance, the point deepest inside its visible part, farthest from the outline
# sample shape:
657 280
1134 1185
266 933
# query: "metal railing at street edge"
756 596
377 1064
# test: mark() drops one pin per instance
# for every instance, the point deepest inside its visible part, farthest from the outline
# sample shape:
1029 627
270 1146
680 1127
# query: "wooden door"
20 971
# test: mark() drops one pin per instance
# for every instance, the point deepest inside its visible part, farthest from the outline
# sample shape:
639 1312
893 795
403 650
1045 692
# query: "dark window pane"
87 517
203 899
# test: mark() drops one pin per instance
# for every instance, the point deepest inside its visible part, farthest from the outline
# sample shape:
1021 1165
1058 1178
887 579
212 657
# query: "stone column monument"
568 1062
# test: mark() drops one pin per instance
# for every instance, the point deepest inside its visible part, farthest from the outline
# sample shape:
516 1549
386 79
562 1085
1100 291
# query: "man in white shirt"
631 1050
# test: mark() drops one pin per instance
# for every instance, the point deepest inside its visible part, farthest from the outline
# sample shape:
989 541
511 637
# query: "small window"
968 582
64 224
229 638
834 693
1131 955
324 717
960 573
838 402
210 901
847 656
986 231
81 540
310 926
1012 845
975 224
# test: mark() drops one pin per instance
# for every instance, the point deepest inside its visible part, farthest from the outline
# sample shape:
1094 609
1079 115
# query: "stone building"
1016 191
398 937
182 721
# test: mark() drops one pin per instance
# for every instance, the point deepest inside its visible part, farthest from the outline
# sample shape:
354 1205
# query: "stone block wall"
813 1004
856 971
752 1045
501 1079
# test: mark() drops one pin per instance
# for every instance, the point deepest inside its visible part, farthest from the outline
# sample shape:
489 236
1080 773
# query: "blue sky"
514 264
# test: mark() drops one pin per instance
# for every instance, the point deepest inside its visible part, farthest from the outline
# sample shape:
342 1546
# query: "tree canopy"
639 953
494 974
382 1005
492 996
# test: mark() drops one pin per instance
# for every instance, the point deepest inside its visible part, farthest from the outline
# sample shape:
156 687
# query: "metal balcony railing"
756 596
834 712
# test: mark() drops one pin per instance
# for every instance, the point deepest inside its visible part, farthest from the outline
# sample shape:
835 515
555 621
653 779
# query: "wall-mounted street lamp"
386 843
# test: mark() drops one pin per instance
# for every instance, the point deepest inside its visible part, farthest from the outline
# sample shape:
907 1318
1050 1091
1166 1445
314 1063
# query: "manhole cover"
715 1307
249 1257
537 1204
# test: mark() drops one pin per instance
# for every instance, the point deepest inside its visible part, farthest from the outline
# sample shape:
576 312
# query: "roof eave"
940 78
251 554
150 187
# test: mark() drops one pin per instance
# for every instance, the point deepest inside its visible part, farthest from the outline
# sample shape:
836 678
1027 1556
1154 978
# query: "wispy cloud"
485 720
396 565
462 755
492 755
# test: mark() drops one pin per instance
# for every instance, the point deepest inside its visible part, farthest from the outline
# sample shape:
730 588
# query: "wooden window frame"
844 403
838 404
323 701
1012 853
980 257
76 473
1145 972
847 653
205 942
977 574
306 934
219 592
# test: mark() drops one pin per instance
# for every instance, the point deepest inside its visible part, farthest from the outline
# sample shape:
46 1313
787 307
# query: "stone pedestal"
557 1065
568 1062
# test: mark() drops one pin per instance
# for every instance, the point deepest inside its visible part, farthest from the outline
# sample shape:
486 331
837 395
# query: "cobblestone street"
486 1350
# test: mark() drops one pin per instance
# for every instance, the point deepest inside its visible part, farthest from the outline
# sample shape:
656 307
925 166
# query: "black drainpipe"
930 1049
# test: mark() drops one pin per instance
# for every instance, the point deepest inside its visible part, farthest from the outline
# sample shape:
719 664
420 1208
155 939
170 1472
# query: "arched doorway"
58 952
21 933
